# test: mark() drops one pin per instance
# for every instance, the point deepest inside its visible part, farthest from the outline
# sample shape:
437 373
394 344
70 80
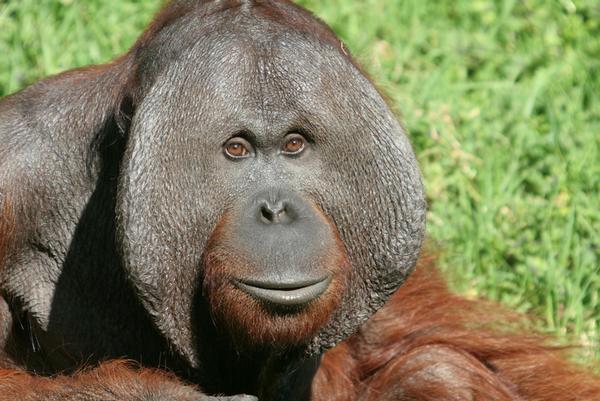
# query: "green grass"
502 100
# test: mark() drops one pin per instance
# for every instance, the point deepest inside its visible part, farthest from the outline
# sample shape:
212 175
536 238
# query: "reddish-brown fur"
117 380
430 344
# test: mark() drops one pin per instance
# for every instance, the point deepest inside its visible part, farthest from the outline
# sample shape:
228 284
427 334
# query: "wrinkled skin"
134 234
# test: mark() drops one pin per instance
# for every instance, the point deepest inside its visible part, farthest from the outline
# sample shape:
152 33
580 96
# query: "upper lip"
285 293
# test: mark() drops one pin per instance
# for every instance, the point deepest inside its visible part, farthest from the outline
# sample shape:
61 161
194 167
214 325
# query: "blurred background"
502 102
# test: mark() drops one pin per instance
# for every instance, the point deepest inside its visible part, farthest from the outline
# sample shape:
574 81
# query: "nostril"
266 214
273 213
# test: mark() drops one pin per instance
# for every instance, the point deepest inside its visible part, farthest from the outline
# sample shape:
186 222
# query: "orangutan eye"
237 148
293 144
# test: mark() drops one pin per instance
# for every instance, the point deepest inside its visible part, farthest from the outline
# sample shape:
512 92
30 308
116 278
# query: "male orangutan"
216 215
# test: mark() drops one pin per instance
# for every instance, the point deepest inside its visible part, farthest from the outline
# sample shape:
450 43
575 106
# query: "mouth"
285 294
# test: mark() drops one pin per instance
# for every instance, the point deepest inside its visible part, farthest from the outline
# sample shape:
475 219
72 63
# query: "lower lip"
286 297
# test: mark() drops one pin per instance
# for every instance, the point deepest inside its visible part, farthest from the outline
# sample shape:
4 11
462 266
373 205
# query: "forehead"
258 71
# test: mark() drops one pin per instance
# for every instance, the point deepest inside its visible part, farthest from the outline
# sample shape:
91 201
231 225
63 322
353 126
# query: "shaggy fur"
430 344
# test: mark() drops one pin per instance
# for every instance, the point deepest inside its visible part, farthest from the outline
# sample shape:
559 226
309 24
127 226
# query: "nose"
276 212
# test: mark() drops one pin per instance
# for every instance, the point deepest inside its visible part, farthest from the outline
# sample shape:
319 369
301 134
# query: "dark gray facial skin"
119 182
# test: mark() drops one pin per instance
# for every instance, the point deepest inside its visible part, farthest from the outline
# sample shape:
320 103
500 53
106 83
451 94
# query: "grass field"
502 100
